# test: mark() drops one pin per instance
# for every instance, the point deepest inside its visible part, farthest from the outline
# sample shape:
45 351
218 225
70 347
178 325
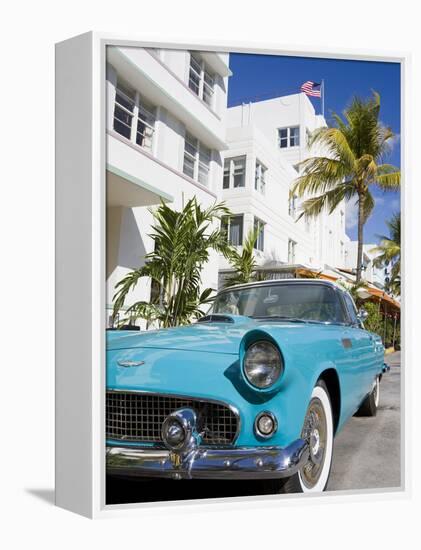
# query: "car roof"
269 282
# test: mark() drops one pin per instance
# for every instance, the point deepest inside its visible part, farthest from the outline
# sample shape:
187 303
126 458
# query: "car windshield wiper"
285 318
279 318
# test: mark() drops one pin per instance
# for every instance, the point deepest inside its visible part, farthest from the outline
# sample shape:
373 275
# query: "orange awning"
376 293
383 297
302 272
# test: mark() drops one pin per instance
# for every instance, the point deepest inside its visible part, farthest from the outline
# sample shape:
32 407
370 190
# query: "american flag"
308 88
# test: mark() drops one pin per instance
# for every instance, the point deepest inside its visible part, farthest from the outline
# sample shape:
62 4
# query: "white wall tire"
320 392
301 482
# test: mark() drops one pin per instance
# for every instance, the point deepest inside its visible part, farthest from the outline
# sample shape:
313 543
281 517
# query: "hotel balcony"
159 85
136 178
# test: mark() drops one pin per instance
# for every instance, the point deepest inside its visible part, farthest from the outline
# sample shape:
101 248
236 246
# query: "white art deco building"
267 140
165 133
170 137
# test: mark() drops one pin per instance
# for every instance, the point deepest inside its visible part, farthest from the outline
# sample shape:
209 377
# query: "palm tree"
243 263
354 147
389 250
182 244
395 284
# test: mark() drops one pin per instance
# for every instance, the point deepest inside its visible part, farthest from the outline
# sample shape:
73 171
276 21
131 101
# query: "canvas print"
253 274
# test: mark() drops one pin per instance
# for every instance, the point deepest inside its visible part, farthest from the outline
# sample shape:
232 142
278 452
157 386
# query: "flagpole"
323 97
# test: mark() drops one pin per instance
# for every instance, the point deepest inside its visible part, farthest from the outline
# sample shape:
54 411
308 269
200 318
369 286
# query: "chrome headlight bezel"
263 365
257 429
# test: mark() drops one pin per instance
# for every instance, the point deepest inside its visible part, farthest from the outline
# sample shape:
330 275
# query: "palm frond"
390 180
336 143
389 247
318 175
124 286
313 206
243 262
142 310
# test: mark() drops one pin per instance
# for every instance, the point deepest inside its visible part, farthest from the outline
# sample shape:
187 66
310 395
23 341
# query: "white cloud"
351 213
351 209
394 141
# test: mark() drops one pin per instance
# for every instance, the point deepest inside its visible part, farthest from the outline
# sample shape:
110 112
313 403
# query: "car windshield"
298 302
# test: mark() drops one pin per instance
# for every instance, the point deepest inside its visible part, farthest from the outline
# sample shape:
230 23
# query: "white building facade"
267 140
379 276
170 137
165 133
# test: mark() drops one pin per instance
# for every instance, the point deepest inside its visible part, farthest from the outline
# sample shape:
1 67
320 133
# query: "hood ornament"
128 363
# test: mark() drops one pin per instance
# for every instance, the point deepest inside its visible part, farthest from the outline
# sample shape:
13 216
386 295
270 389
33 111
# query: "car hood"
214 337
209 337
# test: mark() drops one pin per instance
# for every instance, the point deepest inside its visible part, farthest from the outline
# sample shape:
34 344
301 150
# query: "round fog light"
265 424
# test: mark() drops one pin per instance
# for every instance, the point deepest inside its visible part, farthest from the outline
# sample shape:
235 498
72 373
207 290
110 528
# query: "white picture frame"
80 262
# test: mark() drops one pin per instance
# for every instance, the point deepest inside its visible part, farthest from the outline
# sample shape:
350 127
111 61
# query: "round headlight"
262 364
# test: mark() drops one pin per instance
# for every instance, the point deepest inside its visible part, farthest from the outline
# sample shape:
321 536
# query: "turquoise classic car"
256 389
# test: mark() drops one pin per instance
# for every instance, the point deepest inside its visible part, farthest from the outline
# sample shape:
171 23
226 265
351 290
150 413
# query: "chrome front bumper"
209 463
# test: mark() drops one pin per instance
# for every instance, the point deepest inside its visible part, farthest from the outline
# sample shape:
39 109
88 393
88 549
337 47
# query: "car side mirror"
362 314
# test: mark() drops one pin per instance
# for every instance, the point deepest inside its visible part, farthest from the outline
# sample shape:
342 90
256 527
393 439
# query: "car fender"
289 399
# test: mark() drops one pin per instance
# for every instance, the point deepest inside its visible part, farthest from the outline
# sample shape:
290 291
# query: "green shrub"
374 321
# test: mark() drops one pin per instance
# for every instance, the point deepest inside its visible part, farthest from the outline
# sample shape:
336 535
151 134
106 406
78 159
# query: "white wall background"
28 32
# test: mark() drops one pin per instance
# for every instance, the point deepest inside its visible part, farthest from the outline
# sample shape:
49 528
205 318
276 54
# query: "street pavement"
366 456
367 450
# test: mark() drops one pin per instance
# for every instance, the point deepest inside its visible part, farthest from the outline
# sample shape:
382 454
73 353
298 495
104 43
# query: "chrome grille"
132 416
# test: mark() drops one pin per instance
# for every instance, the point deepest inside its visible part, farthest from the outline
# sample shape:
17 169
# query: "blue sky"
266 76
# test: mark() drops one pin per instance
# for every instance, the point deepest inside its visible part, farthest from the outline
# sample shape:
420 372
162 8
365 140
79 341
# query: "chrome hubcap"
314 441
315 431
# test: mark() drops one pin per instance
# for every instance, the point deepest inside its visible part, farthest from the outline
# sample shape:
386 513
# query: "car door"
363 364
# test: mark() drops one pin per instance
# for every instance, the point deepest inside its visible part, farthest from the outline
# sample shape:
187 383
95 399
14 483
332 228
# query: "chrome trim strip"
281 281
232 408
199 463
129 364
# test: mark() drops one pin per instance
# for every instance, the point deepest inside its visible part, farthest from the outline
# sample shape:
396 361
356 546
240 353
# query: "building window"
232 226
201 80
234 173
292 205
289 137
307 224
134 118
342 220
197 159
260 178
292 245
260 227
342 252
